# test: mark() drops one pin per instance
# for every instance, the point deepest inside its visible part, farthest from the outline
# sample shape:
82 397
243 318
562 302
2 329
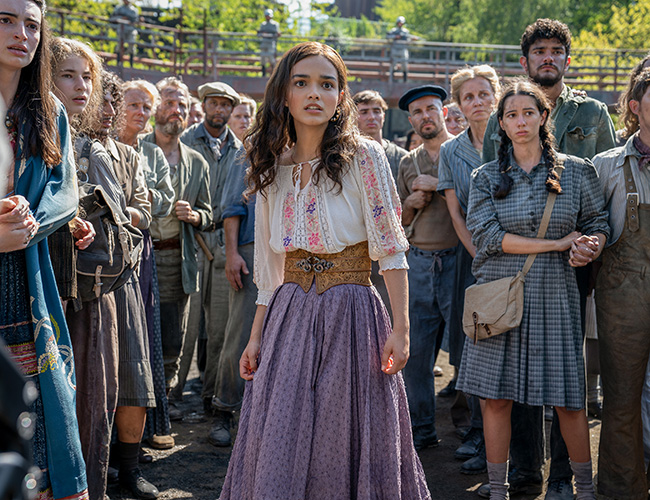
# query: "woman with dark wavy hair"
325 409
539 363
39 195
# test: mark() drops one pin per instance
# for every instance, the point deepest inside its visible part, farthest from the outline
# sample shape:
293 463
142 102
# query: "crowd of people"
320 268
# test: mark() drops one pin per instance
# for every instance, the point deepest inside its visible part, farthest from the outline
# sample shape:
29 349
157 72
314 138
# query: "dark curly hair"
33 108
112 84
545 29
527 88
629 120
274 129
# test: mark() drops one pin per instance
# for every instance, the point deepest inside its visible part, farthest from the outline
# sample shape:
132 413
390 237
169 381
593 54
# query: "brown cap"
218 89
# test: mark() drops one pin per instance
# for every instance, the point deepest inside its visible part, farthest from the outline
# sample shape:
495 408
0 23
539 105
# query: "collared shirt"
197 137
168 227
233 203
433 230
612 180
458 159
580 207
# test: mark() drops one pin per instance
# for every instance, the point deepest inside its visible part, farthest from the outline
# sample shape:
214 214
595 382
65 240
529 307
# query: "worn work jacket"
582 127
193 187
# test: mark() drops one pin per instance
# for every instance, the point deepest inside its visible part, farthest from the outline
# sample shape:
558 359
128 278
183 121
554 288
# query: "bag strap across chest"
546 218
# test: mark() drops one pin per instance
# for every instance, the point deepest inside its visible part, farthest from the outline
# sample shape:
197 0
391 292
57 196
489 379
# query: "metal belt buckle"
315 264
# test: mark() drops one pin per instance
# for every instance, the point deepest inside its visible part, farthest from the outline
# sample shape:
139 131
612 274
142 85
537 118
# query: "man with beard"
582 127
432 256
218 145
173 236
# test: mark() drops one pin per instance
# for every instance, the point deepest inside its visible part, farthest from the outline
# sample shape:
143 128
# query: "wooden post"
205 42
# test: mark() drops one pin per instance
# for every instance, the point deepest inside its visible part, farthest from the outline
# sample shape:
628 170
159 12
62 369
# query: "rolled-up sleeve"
445 177
593 218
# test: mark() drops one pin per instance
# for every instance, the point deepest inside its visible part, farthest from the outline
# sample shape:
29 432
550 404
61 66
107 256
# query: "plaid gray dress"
541 362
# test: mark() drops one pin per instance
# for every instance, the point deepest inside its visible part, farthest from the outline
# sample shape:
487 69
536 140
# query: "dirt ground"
195 469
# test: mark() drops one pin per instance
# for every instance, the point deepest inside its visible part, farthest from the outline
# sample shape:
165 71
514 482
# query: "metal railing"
212 53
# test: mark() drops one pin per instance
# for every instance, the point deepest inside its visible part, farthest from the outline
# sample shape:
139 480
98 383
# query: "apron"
623 309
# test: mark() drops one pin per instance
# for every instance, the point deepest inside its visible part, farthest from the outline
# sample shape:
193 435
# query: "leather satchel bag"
109 261
498 306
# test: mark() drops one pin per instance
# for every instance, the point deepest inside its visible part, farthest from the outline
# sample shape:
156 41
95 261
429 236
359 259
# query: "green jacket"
194 186
582 127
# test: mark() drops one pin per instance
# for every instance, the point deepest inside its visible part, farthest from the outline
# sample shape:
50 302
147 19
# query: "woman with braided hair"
541 361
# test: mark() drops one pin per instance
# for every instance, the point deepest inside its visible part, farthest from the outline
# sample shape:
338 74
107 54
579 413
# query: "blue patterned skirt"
17 332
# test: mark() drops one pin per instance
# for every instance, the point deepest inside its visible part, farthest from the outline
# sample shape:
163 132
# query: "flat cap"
418 92
218 89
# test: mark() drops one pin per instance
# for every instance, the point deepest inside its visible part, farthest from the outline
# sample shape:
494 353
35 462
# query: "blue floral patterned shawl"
52 194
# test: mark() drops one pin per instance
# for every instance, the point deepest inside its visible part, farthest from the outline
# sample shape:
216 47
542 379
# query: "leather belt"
170 244
213 227
351 266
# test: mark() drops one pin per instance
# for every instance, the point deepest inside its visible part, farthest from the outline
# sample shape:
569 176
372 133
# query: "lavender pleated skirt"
320 419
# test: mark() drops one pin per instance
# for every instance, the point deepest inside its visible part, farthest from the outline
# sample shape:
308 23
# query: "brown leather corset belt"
350 266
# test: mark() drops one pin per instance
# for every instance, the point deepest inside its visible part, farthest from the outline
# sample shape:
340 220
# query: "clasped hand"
17 224
584 250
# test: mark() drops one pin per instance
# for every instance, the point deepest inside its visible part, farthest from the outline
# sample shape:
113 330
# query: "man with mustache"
432 256
218 145
583 128
174 242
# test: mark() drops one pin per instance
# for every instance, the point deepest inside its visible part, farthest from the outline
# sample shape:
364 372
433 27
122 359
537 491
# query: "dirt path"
195 469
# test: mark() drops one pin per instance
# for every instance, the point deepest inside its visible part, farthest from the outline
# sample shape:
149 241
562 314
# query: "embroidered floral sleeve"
382 209
269 265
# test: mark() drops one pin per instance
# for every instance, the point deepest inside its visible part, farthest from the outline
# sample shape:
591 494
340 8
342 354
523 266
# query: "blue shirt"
234 204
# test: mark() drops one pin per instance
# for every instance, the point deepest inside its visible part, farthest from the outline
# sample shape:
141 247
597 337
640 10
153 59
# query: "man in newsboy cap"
432 257
219 146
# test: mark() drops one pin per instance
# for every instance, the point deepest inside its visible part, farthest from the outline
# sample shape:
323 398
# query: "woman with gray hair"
140 101
475 90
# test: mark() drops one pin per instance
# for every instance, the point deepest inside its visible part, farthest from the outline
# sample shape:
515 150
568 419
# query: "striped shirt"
610 172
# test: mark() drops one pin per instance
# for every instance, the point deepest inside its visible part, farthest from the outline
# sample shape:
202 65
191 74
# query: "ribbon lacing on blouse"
297 173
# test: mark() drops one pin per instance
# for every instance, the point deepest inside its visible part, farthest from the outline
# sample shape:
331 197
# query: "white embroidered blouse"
320 219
